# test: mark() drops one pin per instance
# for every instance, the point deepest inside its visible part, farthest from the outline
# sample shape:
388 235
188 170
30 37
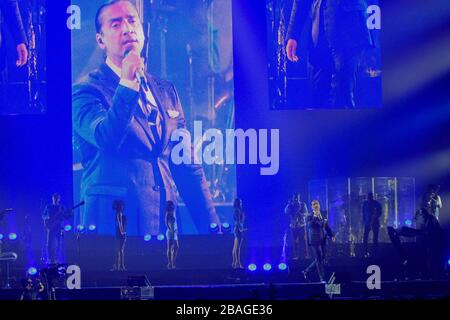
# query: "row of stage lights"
251 267
11 236
92 228
213 228
267 267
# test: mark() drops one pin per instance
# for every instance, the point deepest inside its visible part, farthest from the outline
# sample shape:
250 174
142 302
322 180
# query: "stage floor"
390 290
204 272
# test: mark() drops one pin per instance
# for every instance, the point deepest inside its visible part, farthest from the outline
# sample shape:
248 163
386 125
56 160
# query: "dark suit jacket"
121 159
344 22
10 11
318 230
372 212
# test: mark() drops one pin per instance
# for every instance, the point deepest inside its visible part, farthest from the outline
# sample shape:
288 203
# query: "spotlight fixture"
12 236
282 266
160 237
213 227
32 271
267 267
226 228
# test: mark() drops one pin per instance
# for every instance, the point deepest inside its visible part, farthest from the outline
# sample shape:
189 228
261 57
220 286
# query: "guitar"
53 222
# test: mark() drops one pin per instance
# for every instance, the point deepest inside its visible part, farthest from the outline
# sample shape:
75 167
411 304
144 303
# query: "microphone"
140 75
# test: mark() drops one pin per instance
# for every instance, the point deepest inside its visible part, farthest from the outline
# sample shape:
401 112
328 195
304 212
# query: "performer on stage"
123 119
171 235
297 212
433 200
318 231
121 235
9 9
430 238
371 213
53 216
338 36
239 229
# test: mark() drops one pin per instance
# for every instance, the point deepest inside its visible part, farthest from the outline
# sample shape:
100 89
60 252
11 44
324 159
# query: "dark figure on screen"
173 244
9 10
318 231
121 235
239 229
123 119
53 216
297 212
338 36
371 213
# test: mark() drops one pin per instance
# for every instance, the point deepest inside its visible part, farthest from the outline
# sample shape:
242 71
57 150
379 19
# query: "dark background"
408 137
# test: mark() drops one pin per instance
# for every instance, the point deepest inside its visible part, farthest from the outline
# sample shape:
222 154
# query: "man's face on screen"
121 31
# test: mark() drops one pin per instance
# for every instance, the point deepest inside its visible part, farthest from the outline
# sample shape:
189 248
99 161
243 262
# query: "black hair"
98 23
118 205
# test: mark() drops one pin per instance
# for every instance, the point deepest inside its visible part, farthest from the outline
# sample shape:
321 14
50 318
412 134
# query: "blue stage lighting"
252 267
92 227
408 223
282 266
147 237
1 236
32 271
448 261
67 227
12 236
160 237
267 267
80 228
